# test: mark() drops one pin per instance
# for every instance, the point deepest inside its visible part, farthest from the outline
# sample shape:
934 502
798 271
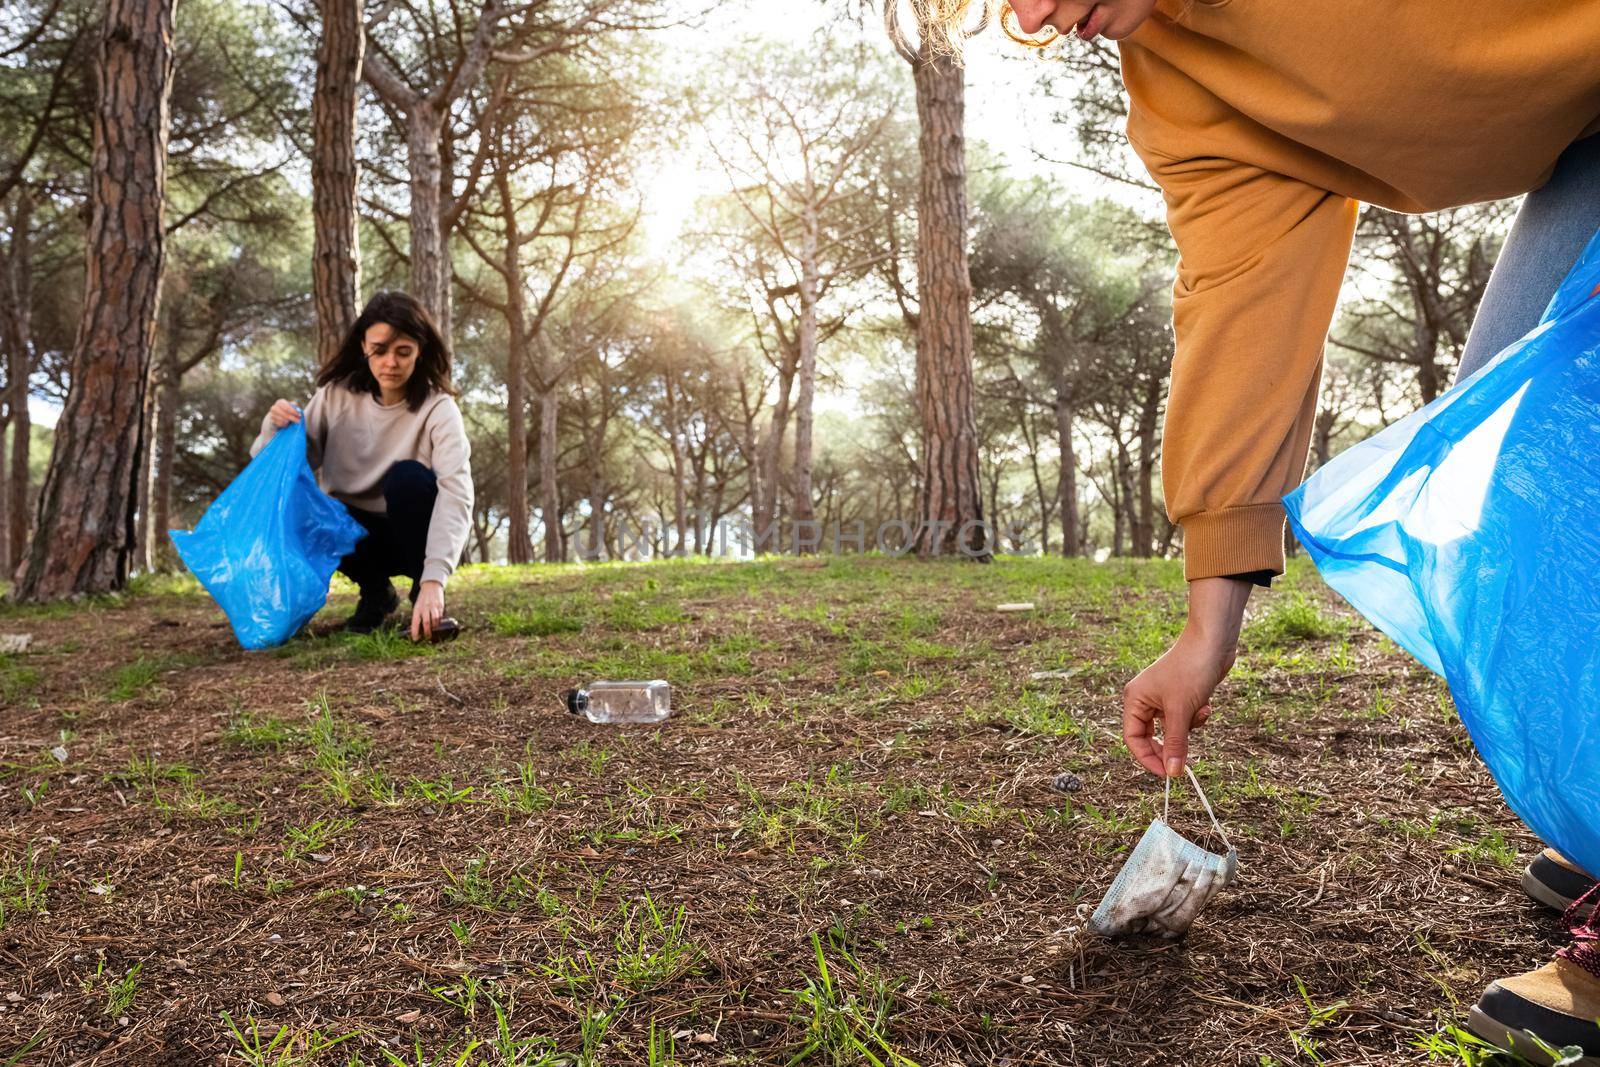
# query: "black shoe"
1556 1004
1555 881
373 609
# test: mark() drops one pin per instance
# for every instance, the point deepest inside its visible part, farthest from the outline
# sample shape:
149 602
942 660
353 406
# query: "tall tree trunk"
1126 495
805 402
1067 487
5 493
549 488
141 507
1144 535
430 277
18 321
950 491
679 503
166 451
519 544
85 528
752 453
336 253
597 512
1030 436
766 508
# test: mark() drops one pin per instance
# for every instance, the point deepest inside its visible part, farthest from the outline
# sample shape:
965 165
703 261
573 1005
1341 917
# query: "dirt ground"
844 847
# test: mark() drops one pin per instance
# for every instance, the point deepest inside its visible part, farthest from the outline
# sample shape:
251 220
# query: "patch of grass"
844 1026
652 948
1492 847
482 885
119 992
314 836
18 681
1290 621
441 790
132 679
537 620
282 1046
259 731
1034 712
386 643
22 885
634 613
523 794
335 741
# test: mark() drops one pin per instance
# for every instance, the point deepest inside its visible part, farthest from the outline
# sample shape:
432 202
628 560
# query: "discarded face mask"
1166 881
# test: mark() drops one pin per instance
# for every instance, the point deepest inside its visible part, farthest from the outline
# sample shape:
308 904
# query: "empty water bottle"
622 701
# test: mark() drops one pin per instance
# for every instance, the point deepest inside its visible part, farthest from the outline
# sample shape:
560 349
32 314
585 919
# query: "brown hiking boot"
1555 881
1541 1014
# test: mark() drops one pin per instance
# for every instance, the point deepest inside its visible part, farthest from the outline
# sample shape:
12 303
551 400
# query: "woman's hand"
1177 687
283 413
428 610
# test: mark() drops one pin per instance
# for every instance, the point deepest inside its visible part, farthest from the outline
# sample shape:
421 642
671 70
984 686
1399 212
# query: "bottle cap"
577 701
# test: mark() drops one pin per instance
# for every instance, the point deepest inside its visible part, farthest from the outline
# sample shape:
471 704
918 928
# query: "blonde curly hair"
946 22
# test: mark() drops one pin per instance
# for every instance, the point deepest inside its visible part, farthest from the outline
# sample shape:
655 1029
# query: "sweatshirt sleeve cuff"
1233 541
436 570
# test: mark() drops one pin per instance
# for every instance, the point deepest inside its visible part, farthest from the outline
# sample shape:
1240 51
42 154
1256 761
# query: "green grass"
1292 619
483 884
843 1025
18 681
261 731
22 886
540 619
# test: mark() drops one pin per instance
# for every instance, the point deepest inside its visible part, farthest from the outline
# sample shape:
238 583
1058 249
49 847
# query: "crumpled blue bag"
268 546
1469 532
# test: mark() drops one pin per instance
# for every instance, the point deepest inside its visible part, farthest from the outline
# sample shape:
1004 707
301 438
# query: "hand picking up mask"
1166 881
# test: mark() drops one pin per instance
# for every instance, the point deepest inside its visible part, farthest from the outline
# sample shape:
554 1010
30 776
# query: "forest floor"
844 846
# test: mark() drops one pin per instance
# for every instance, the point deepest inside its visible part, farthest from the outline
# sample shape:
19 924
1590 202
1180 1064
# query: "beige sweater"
352 440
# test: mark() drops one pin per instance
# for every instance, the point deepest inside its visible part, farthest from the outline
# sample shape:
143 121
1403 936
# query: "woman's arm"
1261 261
452 510
284 412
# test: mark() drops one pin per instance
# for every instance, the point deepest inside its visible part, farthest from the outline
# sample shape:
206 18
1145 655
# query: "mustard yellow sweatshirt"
1266 122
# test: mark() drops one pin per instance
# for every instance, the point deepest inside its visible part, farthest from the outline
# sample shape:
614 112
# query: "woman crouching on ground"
386 439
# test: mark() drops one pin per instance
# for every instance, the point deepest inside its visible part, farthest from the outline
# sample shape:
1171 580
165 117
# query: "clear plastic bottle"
622 701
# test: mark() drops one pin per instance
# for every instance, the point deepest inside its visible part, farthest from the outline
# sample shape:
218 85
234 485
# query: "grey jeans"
1554 224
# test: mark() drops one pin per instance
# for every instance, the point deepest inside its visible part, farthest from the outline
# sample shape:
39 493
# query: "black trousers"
397 541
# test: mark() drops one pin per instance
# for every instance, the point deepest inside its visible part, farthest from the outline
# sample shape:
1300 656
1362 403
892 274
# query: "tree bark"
805 402
519 544
17 320
84 536
141 506
950 490
166 452
766 508
679 503
1144 529
430 279
549 489
336 255
1067 488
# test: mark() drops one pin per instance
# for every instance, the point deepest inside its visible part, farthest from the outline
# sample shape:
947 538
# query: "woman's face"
391 356
1111 19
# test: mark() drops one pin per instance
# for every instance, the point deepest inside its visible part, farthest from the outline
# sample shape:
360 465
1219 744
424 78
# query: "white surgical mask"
1166 881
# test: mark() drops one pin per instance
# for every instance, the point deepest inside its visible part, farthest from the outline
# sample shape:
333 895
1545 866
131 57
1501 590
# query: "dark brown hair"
406 315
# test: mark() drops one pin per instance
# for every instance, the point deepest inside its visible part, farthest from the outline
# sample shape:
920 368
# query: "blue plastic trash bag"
1470 534
267 547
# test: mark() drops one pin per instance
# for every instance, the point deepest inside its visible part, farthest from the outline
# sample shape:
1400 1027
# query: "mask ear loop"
1166 801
